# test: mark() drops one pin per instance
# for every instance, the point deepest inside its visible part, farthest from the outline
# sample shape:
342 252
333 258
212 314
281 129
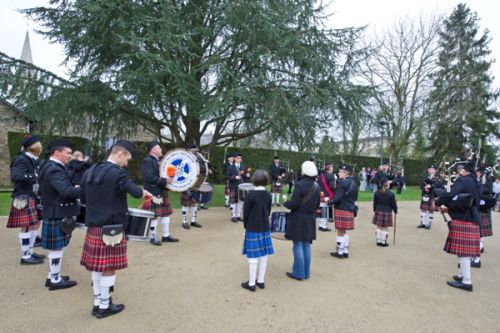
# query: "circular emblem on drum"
187 169
112 232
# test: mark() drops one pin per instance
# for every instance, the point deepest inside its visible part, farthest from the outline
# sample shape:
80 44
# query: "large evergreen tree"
462 98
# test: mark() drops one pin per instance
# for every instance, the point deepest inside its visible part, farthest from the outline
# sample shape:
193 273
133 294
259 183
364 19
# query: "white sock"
96 286
422 217
346 243
152 228
481 244
273 196
24 239
430 218
379 237
323 223
340 247
278 198
383 236
106 282
55 261
184 214
33 234
239 205
233 210
465 269
165 226
226 200
193 213
458 265
252 270
262 269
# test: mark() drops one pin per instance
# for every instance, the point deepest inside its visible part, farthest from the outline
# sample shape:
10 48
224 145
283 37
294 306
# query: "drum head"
190 172
205 187
246 186
140 212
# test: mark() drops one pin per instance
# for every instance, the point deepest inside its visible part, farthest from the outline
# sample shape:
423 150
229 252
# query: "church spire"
26 53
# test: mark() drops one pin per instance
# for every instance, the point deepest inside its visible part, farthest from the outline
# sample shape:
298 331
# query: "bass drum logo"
186 168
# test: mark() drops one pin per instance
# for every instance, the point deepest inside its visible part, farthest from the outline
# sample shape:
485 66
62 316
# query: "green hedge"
252 157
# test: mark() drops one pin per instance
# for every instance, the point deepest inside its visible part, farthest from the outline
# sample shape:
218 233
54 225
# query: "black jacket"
330 182
23 172
346 195
150 169
59 195
104 191
76 170
436 182
465 184
256 211
385 202
301 225
275 172
231 172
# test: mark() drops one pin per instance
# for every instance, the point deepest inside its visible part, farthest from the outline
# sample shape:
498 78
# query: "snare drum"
323 213
203 194
191 169
138 224
278 224
80 219
243 189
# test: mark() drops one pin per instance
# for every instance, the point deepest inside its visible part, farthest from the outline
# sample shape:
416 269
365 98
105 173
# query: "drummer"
160 203
236 174
229 162
188 203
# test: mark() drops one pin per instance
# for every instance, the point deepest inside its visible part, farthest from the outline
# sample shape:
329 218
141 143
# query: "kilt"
233 196
463 239
486 229
382 219
226 188
23 218
52 237
343 219
429 205
276 188
187 199
257 244
97 257
163 209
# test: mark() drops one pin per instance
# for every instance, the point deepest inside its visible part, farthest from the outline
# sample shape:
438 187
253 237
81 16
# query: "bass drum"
191 169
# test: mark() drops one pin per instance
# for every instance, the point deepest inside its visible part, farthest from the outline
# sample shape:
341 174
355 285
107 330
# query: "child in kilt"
384 203
257 244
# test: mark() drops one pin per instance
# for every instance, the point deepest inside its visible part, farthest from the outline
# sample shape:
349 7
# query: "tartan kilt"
463 239
25 217
486 229
52 237
226 188
276 188
187 199
343 219
382 219
163 209
233 196
257 244
429 205
97 257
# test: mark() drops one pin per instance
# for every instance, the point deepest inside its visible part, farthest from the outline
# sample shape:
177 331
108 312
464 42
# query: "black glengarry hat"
152 144
29 140
129 146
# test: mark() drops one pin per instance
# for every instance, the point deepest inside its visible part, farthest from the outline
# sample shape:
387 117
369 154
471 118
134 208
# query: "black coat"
385 202
301 225
330 182
150 169
59 195
76 170
346 195
256 211
275 172
436 182
104 191
23 172
466 184
232 171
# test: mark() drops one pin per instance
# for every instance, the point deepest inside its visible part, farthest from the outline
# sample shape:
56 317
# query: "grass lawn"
411 194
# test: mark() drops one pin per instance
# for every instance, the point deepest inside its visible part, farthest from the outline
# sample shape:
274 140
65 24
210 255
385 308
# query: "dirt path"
194 285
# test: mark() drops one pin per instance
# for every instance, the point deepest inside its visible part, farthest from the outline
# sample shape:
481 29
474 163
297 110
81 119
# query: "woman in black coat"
77 167
301 225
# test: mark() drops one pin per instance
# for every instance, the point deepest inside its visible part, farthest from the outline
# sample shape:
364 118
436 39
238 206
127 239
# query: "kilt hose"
275 188
24 217
163 209
486 226
463 239
52 237
382 219
97 257
187 199
343 219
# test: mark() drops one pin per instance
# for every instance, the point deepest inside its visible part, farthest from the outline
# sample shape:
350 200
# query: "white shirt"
57 161
496 187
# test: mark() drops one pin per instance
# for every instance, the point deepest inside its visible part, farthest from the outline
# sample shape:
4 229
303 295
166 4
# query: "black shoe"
427 227
384 244
196 225
246 285
239 219
63 284
457 278
112 310
482 250
475 264
155 242
38 256
330 220
460 285
186 226
324 229
279 205
31 261
290 275
169 239
203 207
47 281
337 255
260 285
346 255
95 308
379 244
421 226
38 241
233 219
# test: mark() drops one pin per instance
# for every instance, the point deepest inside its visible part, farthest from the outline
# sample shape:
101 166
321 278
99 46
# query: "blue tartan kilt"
257 244
52 237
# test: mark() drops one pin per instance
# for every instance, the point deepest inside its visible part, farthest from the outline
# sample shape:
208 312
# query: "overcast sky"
377 14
